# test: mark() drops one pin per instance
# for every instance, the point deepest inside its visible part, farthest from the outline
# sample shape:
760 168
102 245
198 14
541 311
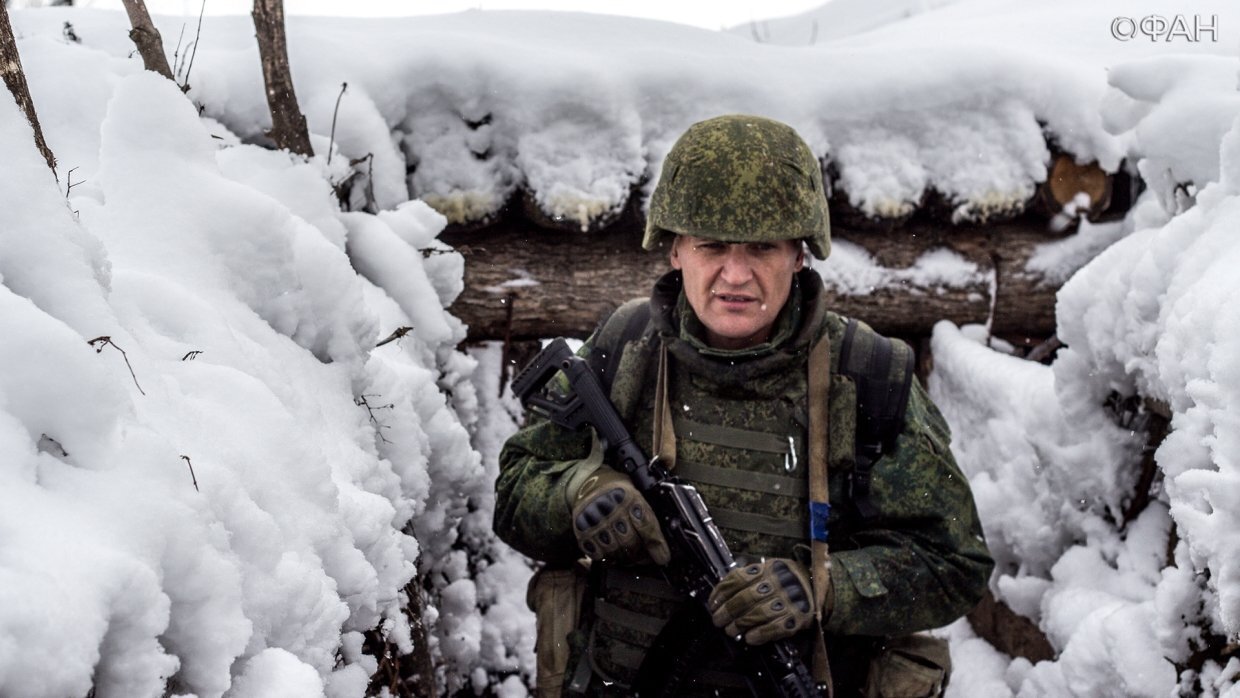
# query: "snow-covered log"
523 282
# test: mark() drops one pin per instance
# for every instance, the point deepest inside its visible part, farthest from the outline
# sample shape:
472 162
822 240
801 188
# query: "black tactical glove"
613 522
763 601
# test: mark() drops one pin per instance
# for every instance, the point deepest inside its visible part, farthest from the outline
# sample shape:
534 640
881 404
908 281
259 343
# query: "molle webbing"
744 480
730 436
765 483
757 523
622 654
650 584
627 633
640 622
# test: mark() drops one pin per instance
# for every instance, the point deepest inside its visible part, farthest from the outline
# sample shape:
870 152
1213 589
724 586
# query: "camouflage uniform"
920 565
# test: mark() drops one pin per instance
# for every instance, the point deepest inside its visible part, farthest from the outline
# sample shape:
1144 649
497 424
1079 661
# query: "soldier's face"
737 289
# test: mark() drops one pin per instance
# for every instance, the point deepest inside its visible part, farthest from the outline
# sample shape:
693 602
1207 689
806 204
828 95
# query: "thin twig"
190 356
69 181
400 332
176 64
190 69
343 86
361 401
104 341
191 472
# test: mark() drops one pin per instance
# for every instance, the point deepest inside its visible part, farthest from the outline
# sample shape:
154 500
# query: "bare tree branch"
332 141
194 53
98 343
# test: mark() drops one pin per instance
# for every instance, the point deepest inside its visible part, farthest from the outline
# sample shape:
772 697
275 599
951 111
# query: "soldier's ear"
800 264
673 255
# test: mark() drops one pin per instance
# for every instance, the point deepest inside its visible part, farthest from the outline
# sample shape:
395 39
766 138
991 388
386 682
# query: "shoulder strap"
882 370
626 324
819 385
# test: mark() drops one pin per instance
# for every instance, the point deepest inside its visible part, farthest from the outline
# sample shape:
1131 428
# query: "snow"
1122 601
852 270
216 483
225 515
481 104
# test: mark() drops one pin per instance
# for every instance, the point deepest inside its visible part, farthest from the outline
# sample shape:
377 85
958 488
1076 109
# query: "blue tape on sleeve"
818 513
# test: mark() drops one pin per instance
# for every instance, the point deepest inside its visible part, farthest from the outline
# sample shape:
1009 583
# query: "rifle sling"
820 507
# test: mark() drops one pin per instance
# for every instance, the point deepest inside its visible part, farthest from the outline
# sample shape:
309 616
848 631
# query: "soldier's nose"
736 269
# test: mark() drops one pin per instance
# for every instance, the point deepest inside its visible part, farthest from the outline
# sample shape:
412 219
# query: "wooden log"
146 37
15 80
1009 632
288 124
523 282
1066 180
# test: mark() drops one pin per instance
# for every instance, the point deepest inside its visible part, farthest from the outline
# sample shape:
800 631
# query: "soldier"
738 377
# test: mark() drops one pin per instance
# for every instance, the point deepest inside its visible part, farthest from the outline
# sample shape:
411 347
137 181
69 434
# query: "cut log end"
1072 188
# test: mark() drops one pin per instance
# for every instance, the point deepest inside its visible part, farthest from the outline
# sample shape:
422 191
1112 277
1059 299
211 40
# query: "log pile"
526 278
523 282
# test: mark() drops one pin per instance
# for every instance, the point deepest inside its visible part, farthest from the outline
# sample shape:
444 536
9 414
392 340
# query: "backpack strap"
882 370
626 324
628 327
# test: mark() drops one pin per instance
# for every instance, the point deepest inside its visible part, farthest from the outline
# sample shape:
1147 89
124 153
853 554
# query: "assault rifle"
700 558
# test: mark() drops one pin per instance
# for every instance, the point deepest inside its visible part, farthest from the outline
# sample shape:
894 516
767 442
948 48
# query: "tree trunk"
146 37
522 282
15 80
288 125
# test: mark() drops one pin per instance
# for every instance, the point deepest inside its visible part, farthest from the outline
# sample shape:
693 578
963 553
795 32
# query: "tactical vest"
745 450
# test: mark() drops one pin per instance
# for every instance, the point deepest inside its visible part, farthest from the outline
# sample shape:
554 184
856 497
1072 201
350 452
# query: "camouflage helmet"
740 178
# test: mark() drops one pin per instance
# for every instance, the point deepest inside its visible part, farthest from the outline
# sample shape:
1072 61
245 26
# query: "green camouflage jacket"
920 565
